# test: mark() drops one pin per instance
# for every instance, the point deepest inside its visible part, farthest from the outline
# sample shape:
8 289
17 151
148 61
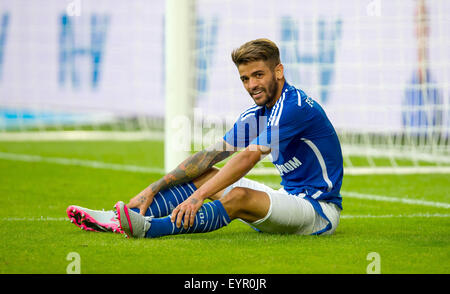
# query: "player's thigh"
247 204
249 199
287 214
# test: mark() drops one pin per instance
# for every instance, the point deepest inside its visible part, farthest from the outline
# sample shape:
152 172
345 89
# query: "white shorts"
290 214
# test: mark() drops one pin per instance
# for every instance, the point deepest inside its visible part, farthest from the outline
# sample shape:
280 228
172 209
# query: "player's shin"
211 216
165 201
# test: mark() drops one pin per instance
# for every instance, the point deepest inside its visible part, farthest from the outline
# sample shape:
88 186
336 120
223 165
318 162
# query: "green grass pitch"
36 236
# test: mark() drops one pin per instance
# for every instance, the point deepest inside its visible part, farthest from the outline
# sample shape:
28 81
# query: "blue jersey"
304 145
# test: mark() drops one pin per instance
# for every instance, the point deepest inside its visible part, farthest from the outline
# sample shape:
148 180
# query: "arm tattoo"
193 167
142 199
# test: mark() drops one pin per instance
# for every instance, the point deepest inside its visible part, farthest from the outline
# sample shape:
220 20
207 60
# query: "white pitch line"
80 162
356 195
414 215
394 199
260 171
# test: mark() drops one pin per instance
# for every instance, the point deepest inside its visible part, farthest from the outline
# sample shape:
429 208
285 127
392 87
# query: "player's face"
261 82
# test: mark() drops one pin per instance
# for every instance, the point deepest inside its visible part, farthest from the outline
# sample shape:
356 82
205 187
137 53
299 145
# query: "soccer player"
284 123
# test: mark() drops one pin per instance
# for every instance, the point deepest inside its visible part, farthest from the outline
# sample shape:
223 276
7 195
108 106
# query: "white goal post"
179 80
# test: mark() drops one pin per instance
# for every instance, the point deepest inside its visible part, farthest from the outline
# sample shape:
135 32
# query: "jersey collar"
286 87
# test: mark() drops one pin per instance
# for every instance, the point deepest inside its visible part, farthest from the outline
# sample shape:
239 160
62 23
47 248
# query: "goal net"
80 69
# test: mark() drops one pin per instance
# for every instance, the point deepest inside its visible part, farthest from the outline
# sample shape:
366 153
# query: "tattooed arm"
190 169
236 168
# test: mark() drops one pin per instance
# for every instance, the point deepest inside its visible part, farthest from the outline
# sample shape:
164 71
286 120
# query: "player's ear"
279 71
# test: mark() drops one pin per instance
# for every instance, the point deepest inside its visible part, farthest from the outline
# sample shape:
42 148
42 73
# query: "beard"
270 91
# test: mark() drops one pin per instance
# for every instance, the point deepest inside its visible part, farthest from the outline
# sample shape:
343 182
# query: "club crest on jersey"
289 166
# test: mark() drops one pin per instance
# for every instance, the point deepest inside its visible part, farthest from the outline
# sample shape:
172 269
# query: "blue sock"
165 201
211 216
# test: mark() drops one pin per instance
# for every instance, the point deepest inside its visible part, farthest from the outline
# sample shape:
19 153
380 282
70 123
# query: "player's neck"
278 94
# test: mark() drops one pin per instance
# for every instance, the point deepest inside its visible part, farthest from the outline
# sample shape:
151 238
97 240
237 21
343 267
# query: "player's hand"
187 210
142 200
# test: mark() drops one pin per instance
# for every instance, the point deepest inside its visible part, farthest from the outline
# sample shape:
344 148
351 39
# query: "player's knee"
238 195
246 204
236 200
